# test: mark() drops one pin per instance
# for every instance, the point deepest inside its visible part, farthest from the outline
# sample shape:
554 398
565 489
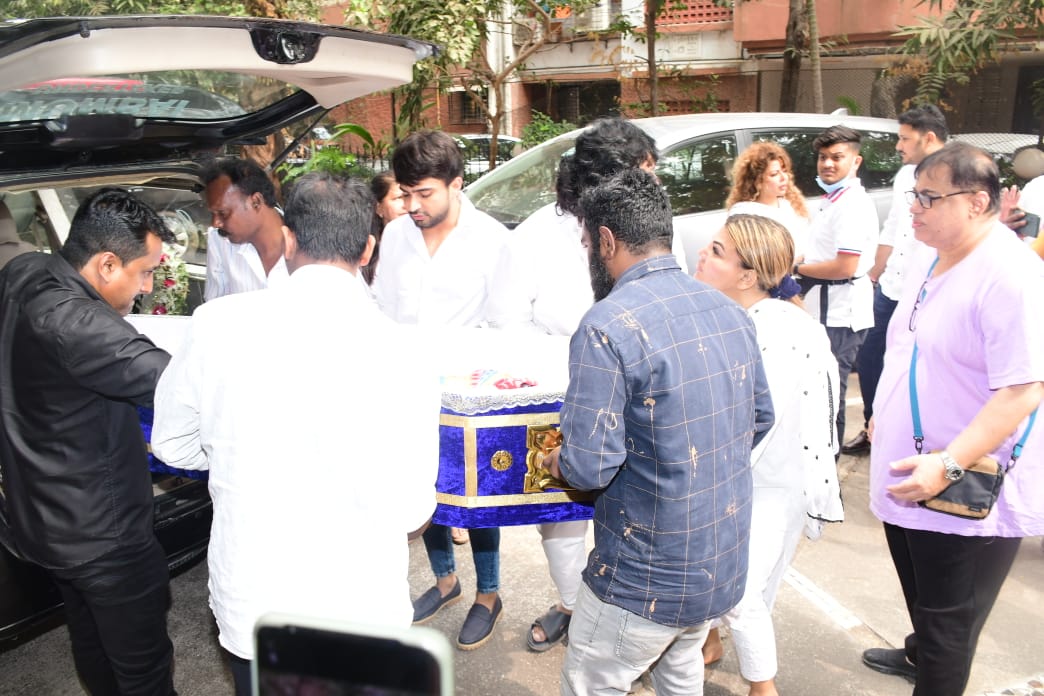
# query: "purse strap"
915 411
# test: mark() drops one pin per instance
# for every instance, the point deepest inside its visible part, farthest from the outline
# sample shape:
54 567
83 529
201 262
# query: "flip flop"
554 624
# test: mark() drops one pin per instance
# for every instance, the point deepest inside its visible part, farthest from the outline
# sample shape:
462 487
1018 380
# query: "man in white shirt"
437 268
544 284
842 241
922 131
245 241
300 460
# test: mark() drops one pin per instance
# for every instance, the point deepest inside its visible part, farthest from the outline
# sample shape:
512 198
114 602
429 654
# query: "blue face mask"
830 188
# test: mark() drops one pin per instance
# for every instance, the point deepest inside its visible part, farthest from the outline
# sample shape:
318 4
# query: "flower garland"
170 284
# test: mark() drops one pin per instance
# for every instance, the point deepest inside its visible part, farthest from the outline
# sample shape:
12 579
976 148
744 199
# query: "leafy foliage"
542 128
280 9
953 45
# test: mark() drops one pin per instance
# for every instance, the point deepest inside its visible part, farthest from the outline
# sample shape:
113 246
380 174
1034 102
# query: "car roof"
673 129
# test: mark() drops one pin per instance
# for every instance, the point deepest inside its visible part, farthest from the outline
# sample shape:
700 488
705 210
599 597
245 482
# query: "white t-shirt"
448 288
897 232
542 278
297 457
233 268
846 224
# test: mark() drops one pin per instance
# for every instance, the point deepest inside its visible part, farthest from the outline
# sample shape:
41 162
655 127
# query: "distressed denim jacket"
666 397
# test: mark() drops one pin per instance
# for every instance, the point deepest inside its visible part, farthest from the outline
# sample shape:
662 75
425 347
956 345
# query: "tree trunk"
817 74
652 10
797 44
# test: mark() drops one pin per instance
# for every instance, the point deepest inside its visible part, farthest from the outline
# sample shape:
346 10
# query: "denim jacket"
666 398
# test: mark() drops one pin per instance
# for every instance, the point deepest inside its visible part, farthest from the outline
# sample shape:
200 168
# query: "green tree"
278 9
952 44
465 28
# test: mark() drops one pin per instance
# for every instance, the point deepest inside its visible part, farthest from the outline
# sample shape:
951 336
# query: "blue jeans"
116 607
871 354
610 647
485 551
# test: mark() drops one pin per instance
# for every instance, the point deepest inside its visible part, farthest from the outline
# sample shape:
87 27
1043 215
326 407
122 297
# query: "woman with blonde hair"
763 184
795 480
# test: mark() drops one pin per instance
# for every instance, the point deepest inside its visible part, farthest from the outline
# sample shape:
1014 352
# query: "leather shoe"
860 444
428 604
888 661
478 626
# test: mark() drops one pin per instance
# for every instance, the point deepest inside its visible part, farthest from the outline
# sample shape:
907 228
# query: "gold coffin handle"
540 440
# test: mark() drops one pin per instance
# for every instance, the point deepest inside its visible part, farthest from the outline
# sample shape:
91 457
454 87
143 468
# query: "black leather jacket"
76 481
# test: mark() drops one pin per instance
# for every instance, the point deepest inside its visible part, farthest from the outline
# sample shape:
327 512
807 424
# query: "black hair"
113 220
330 215
971 169
427 154
837 134
926 119
246 175
604 148
381 184
634 206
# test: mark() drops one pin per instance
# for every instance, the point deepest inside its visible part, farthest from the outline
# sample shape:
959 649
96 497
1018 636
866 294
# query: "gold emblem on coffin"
540 440
501 460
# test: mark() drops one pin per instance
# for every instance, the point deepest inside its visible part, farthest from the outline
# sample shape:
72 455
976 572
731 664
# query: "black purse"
973 496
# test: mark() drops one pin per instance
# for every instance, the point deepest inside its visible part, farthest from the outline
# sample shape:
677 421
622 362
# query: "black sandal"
554 624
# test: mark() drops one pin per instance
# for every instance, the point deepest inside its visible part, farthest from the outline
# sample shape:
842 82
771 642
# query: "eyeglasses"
926 199
921 294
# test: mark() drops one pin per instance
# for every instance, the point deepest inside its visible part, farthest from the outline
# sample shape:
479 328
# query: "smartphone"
1032 226
296 655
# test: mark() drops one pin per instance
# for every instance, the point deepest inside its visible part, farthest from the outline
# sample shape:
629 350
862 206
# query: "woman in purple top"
971 307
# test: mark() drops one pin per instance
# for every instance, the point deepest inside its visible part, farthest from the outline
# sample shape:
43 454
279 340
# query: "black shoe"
478 627
428 604
860 444
887 661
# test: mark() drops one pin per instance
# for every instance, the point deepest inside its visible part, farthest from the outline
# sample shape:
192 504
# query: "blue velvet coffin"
156 465
490 449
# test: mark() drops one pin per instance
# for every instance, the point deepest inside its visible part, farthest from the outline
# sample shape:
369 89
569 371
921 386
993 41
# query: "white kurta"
784 214
542 281
233 268
448 288
795 478
318 421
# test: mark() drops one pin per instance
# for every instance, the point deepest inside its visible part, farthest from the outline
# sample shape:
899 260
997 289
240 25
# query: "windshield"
181 95
522 185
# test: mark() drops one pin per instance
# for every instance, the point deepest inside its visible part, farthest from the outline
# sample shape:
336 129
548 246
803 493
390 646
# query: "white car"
697 152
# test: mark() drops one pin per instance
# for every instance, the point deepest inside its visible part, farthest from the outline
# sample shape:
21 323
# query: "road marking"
827 604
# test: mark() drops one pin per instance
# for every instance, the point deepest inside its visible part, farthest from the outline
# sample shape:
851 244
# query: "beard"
601 282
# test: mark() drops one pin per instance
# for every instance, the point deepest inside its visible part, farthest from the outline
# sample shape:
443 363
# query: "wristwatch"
954 472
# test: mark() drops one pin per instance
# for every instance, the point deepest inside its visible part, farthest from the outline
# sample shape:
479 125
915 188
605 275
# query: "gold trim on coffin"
542 435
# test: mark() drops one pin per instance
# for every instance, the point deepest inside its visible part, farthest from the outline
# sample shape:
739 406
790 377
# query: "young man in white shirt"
842 241
922 131
290 457
245 242
437 266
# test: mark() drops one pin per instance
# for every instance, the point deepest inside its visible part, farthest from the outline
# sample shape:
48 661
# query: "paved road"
841 597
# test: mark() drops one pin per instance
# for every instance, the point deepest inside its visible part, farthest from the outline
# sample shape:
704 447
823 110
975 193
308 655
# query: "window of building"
464 111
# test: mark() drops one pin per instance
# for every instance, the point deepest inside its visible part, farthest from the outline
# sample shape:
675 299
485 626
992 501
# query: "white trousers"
775 531
566 553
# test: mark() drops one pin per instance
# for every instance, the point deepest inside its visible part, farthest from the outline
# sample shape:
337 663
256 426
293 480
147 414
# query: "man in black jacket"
77 494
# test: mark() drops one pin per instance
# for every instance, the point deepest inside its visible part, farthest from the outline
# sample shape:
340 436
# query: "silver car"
697 152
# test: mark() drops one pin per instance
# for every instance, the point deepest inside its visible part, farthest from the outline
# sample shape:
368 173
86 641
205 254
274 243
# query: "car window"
798 144
522 185
880 160
696 174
